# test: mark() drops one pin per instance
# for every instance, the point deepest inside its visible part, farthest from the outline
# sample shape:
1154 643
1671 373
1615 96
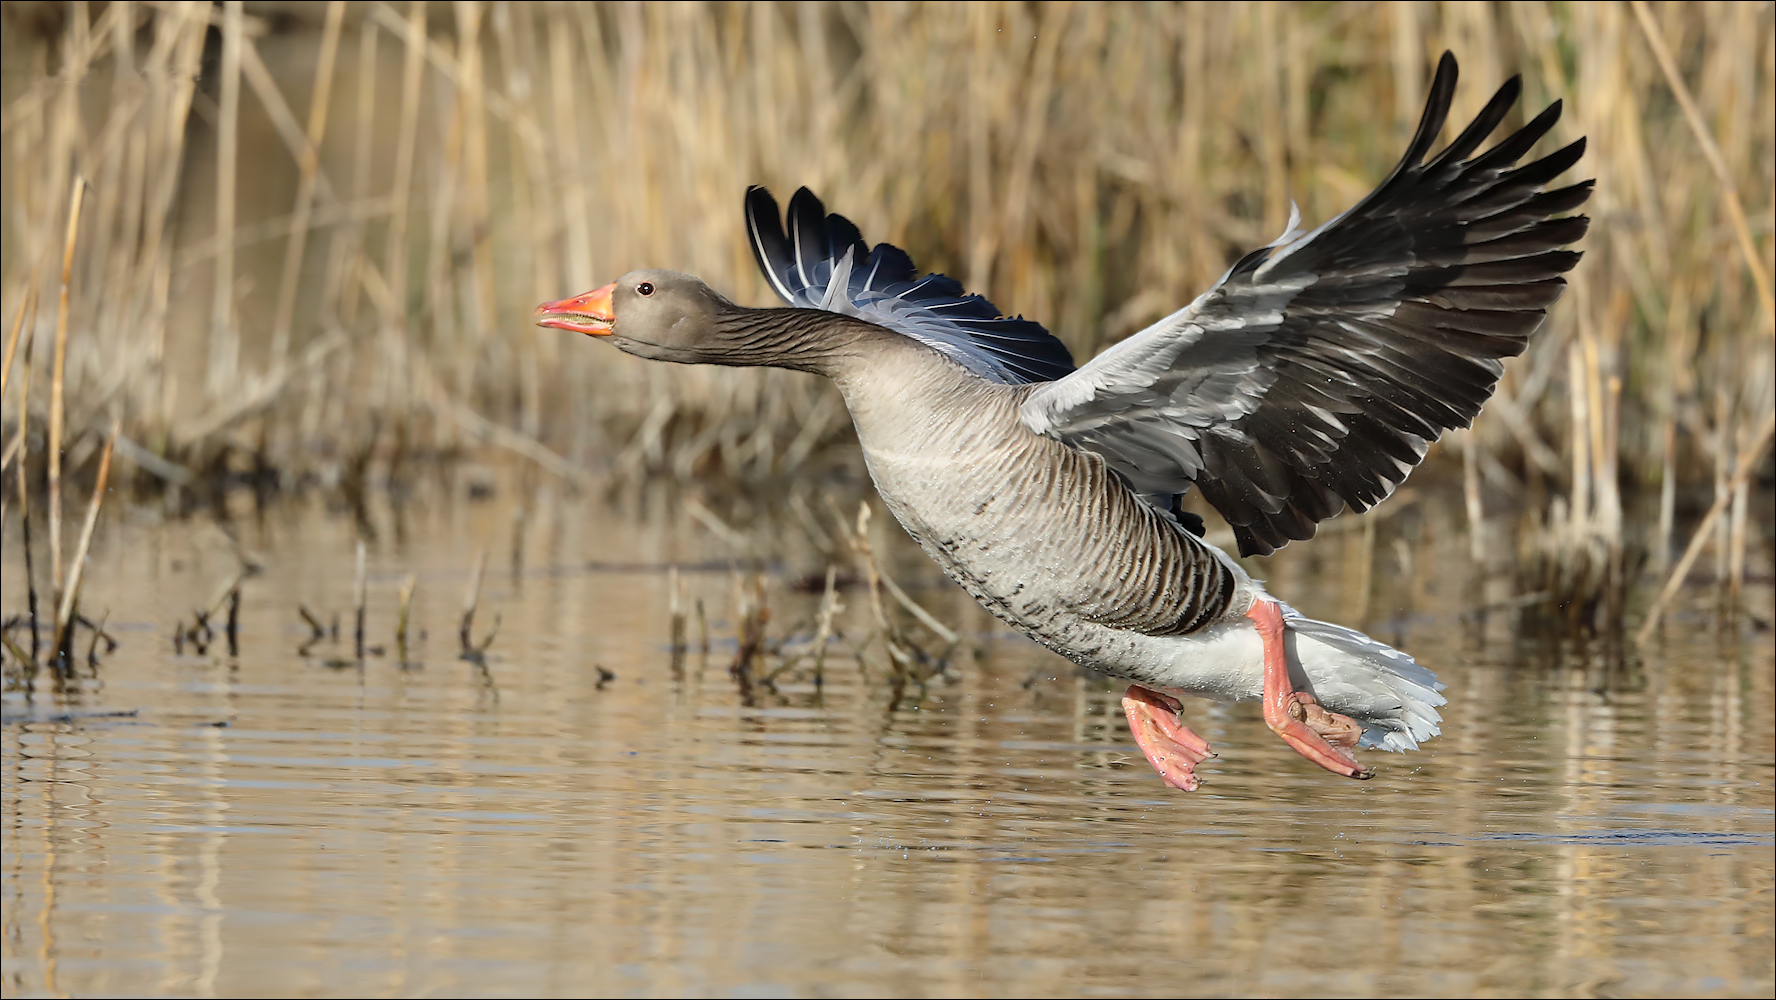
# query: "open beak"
589 313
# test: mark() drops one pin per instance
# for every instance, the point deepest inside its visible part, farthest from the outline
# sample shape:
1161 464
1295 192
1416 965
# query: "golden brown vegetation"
311 240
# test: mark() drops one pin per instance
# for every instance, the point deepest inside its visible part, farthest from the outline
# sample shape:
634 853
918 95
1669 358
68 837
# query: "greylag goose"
1309 379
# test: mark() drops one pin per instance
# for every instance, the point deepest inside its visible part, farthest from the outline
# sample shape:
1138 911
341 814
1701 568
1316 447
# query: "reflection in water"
274 824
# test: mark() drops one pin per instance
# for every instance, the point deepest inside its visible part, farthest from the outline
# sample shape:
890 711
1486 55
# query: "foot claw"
1338 730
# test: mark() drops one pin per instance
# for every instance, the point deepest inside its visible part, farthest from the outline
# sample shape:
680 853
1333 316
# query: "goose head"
668 316
662 315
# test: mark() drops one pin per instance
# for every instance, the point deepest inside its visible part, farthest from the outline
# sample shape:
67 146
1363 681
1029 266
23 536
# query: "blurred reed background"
310 235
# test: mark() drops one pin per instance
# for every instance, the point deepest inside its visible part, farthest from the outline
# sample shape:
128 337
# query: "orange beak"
589 313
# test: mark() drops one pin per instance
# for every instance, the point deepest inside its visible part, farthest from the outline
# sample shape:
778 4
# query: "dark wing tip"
843 234
770 248
1436 110
810 242
1484 124
760 205
1430 123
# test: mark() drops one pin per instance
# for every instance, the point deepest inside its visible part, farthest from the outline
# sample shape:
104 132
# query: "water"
274 824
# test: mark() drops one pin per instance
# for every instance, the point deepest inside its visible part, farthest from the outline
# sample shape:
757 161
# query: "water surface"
576 818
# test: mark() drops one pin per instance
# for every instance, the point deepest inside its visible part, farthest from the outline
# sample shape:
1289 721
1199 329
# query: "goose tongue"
589 313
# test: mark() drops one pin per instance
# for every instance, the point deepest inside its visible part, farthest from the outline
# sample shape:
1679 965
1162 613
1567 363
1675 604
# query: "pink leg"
1297 716
1173 750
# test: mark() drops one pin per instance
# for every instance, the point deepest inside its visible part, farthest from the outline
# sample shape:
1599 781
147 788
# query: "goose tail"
1384 690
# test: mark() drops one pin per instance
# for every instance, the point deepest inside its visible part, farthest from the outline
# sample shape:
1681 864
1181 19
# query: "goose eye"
645 288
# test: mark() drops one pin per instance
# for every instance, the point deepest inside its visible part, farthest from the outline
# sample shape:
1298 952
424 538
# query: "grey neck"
832 344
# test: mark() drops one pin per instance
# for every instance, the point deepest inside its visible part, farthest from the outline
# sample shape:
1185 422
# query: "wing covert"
821 262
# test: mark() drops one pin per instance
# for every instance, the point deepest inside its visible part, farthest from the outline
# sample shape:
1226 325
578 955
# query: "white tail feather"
1380 687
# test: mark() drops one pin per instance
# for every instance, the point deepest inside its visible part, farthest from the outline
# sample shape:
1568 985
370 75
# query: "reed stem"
305 188
675 610
1754 263
829 607
360 597
58 398
1747 462
27 304
401 616
71 600
224 342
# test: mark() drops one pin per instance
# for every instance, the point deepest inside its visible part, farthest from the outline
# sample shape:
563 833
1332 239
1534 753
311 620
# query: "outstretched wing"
1315 374
822 263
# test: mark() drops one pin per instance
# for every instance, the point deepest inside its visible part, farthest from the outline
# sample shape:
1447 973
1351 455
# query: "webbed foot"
1173 750
1321 736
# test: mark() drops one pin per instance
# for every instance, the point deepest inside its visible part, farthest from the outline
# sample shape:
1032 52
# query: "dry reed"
1090 166
752 613
823 632
77 568
402 617
675 611
475 652
360 600
58 400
